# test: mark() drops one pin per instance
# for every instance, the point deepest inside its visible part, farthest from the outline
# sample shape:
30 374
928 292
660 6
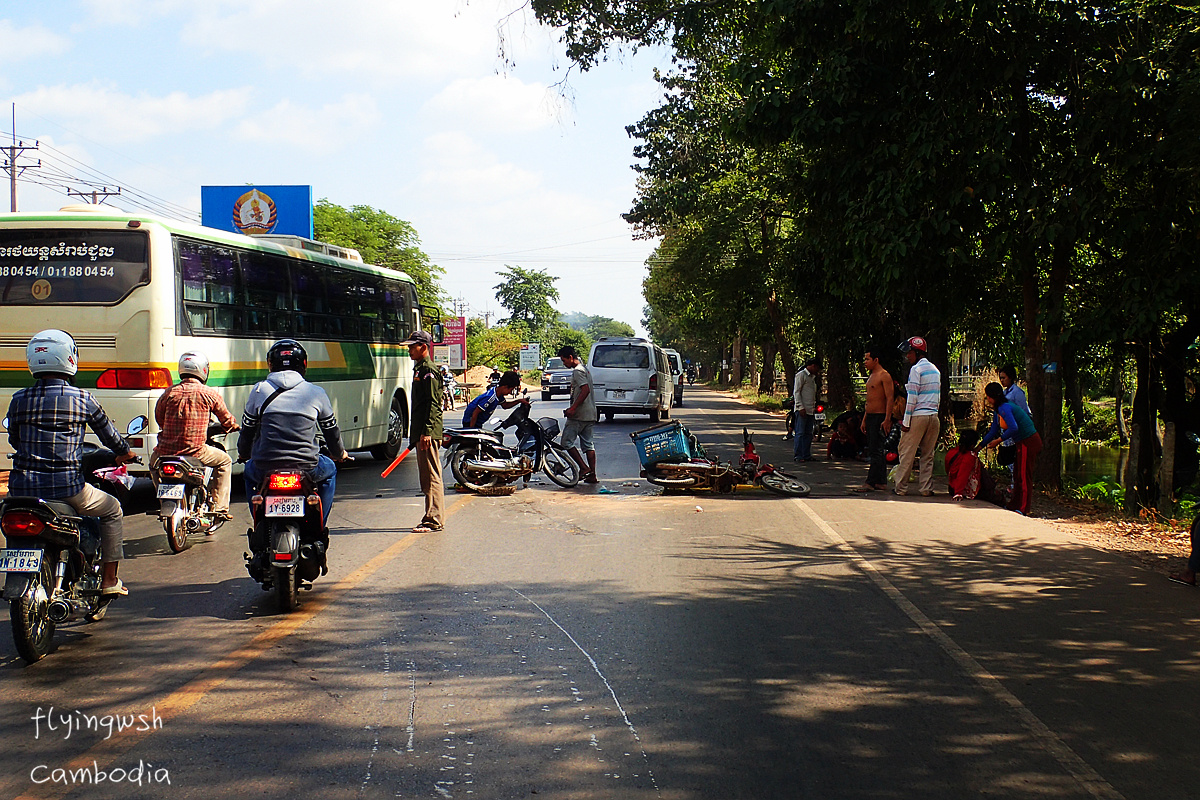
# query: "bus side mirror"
438 331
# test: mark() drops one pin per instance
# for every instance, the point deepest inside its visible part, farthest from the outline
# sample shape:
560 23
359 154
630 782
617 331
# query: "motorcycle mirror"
137 425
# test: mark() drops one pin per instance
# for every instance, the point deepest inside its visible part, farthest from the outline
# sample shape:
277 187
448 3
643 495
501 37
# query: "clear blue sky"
396 104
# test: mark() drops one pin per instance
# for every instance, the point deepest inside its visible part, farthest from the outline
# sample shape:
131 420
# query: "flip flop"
1180 579
425 527
117 589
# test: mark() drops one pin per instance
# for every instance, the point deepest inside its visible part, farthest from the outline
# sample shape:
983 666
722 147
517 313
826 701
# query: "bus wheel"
397 423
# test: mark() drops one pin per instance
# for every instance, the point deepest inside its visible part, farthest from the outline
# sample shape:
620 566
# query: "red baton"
396 463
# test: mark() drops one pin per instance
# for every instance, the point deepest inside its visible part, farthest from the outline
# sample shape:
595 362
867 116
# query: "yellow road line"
191 693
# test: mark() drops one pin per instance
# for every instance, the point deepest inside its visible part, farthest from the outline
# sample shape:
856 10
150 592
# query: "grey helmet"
52 352
194 363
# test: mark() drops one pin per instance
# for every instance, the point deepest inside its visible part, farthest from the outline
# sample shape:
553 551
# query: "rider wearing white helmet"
46 427
183 414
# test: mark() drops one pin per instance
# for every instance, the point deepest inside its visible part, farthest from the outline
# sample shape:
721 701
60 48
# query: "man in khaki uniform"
425 435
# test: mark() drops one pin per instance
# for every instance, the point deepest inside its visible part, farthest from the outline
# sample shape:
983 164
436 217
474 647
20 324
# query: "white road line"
1090 780
596 667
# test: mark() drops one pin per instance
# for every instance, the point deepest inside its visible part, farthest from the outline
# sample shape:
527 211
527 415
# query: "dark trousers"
877 472
1027 453
1194 558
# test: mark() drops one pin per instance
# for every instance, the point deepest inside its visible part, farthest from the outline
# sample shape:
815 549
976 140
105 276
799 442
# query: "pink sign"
453 350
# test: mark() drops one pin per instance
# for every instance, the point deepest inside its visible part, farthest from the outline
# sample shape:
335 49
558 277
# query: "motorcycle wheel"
560 467
782 483
472 480
287 588
685 482
31 625
177 538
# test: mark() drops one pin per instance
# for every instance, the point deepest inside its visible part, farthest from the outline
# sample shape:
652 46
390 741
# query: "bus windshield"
71 267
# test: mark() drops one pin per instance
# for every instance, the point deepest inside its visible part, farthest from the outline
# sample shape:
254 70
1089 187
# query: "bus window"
395 312
265 281
208 276
71 267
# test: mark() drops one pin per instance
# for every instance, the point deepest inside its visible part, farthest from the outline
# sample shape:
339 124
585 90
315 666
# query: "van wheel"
666 413
608 416
547 395
655 415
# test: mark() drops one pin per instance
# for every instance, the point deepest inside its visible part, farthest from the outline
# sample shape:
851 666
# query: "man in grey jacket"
280 423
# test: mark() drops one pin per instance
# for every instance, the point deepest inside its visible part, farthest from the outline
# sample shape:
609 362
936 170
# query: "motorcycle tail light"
168 469
285 482
22 523
283 556
820 409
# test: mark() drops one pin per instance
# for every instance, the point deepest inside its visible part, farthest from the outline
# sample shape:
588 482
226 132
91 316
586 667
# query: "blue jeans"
804 436
325 476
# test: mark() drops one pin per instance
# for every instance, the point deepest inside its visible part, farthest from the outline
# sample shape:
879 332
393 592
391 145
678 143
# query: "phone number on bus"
48 271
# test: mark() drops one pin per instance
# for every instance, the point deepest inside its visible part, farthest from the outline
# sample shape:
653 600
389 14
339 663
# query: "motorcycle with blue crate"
674 459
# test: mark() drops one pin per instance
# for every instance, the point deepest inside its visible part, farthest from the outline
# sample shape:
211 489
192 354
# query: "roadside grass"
749 394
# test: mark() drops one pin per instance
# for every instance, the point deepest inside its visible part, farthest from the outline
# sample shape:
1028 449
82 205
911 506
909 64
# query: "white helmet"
52 352
194 363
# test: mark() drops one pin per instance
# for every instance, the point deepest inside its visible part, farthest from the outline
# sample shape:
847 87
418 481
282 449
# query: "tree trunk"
735 364
1166 472
1034 378
1118 387
1049 464
1141 490
1073 389
782 344
766 381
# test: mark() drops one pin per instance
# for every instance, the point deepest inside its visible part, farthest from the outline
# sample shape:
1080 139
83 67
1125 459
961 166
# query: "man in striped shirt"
921 425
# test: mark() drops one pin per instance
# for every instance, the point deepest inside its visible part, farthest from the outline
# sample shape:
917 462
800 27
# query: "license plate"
285 506
171 491
20 560
819 417
618 394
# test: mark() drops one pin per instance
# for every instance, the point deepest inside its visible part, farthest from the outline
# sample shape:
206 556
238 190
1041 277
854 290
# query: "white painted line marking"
1090 780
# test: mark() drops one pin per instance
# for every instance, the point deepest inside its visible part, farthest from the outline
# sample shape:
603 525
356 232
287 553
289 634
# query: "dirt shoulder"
1160 547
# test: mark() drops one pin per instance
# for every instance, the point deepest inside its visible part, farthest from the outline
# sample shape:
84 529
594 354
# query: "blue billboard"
252 209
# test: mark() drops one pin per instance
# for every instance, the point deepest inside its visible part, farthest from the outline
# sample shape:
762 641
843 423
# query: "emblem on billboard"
255 212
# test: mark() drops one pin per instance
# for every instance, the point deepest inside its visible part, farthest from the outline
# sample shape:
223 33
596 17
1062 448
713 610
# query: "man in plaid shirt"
183 414
46 427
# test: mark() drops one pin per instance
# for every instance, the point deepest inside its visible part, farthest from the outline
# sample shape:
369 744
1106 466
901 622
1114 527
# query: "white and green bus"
137 291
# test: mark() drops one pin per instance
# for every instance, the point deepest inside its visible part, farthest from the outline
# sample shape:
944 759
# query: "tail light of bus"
21 523
134 378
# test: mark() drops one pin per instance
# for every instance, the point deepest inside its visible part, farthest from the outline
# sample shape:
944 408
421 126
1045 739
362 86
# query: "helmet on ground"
194 363
915 343
52 352
287 354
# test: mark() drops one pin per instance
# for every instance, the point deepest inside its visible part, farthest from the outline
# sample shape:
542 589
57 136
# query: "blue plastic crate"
668 442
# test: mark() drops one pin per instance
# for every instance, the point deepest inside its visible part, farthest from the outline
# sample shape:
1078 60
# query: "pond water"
1085 463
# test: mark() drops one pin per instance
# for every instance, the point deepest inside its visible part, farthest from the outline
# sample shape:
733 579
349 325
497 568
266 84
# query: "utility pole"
95 195
15 150
461 307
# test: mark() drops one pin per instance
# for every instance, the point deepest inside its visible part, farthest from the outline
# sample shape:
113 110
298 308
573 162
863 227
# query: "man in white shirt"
921 425
804 397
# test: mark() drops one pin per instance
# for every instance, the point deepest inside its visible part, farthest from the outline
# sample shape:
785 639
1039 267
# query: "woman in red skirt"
1012 427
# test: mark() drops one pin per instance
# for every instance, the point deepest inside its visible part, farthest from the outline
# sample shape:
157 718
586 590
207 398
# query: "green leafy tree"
383 240
498 346
599 327
529 296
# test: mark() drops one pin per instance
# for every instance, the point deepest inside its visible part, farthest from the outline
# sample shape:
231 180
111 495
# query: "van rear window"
621 356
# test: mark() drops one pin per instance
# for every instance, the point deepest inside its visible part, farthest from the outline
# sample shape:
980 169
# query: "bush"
1099 424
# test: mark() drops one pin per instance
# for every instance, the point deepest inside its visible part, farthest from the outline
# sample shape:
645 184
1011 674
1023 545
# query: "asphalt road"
573 644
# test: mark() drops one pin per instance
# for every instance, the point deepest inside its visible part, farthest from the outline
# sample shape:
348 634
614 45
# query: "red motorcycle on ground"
673 459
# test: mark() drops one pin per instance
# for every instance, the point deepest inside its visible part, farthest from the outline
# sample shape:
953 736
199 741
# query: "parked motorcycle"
820 427
289 540
53 557
480 461
185 494
672 458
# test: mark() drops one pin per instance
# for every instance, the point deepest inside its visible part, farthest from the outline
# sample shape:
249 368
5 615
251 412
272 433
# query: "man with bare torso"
877 419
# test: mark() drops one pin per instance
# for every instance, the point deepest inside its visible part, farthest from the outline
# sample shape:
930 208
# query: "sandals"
1181 579
427 527
589 477
116 590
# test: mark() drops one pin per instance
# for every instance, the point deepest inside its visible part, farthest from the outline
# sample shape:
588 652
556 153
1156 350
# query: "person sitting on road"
842 444
183 414
964 472
46 427
479 410
280 424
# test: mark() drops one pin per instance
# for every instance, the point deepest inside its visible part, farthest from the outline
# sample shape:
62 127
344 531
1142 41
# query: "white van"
676 362
631 376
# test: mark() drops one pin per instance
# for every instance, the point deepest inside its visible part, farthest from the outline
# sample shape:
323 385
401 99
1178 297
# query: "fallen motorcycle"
673 459
480 461
53 558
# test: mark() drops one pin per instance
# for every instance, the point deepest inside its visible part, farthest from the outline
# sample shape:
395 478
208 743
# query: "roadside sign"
531 355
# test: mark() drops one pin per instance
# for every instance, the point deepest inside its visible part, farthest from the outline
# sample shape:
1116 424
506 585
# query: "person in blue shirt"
1014 393
1013 427
479 410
